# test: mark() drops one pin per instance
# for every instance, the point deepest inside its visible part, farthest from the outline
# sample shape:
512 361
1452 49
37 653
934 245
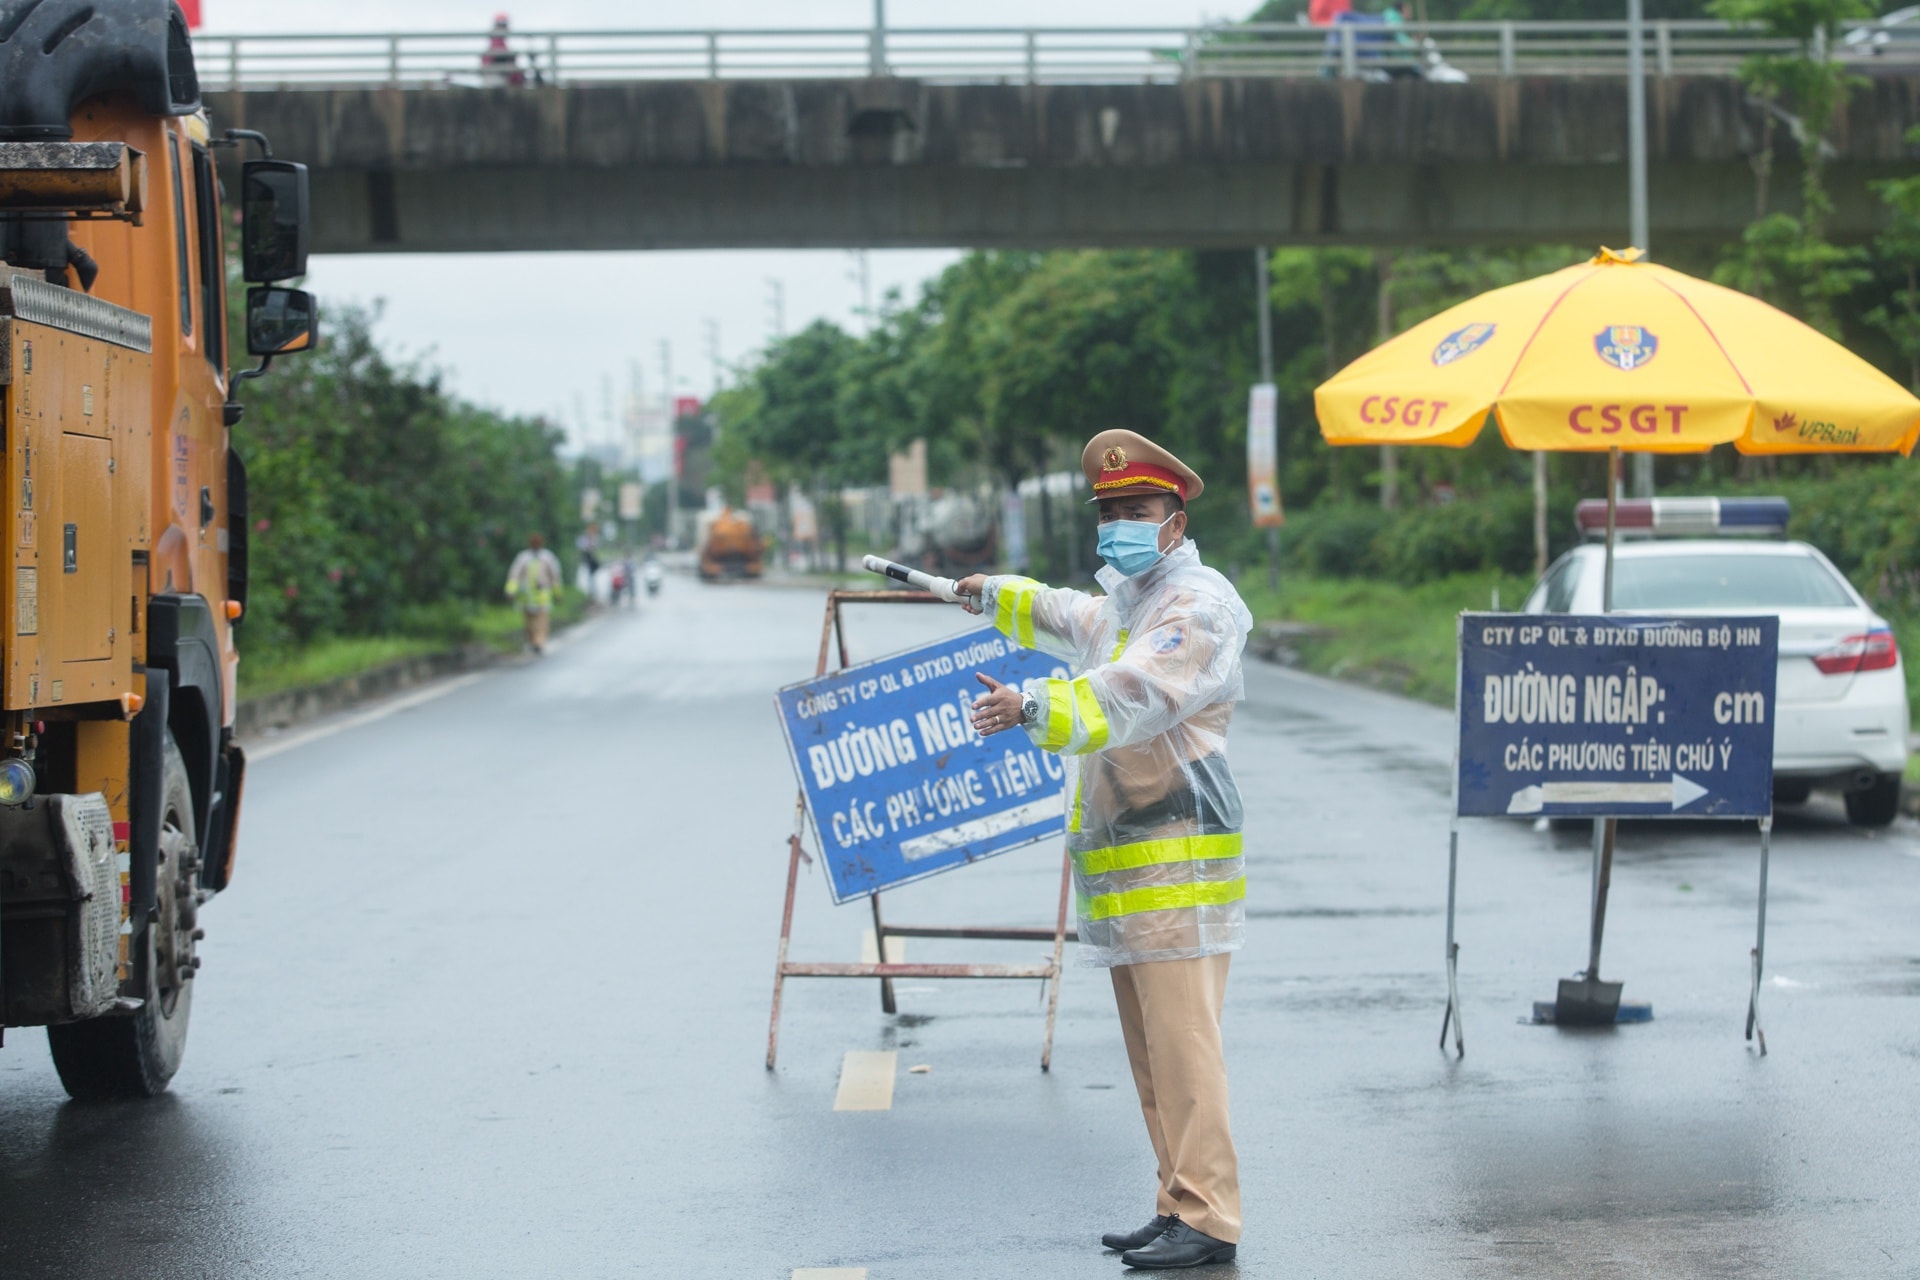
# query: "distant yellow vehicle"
731 547
126 548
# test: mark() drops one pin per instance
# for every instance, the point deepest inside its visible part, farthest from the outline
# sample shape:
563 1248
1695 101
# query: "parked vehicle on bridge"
126 567
1840 715
1893 37
1384 50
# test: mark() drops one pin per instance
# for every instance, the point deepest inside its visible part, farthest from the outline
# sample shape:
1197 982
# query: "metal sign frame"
1603 841
833 641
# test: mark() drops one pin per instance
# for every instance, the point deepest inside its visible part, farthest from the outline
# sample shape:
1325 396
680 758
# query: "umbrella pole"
1586 1000
1613 498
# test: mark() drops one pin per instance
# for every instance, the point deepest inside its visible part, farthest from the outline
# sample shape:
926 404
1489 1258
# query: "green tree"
1784 258
1897 250
788 415
377 499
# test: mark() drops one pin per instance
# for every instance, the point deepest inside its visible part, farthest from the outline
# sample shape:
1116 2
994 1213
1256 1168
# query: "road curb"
292 707
1278 642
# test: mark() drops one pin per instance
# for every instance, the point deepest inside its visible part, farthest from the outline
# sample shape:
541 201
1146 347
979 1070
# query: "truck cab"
125 570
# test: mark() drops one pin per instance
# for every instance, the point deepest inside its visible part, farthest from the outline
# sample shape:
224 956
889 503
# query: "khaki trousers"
1170 1018
537 620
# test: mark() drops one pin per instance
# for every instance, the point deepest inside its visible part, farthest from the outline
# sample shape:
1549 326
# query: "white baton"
942 587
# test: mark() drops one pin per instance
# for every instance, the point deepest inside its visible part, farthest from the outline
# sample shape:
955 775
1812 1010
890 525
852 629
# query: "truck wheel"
134 1056
1878 805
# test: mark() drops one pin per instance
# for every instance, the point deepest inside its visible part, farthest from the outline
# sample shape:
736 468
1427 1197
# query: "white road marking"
866 1080
829 1273
870 954
405 702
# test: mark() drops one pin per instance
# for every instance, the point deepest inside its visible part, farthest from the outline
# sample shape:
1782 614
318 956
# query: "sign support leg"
880 947
1754 1030
1059 949
794 854
1453 949
1608 829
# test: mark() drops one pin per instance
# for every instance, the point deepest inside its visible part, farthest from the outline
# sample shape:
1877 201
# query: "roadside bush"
1425 543
1335 541
1862 516
381 504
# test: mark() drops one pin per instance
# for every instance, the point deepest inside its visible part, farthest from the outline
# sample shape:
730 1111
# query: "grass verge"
337 657
1380 633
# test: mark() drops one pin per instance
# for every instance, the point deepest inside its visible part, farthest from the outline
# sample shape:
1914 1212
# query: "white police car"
1841 700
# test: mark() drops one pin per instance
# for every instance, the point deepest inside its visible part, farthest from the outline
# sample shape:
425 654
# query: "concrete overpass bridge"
1031 139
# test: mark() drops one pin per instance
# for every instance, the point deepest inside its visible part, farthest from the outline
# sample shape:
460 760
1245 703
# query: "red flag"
192 9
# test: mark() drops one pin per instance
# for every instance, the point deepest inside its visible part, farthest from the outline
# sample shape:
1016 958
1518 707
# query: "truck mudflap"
59 911
223 831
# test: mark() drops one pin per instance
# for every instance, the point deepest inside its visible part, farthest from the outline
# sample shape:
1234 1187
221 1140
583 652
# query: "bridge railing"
982 55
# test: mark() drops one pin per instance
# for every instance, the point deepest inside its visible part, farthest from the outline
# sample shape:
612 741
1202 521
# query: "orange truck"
125 571
731 547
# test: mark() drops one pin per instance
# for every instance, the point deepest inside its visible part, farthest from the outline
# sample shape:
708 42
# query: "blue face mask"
1131 546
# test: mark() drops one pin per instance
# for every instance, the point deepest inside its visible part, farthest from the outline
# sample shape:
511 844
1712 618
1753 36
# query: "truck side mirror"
273 220
279 321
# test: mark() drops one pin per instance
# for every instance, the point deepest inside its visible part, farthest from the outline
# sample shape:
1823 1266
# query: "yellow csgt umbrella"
1617 353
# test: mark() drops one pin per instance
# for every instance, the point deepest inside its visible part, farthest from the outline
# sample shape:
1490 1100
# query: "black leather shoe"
1137 1239
1179 1245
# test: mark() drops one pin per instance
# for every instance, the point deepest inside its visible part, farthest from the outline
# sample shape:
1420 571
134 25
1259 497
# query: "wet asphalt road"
489 998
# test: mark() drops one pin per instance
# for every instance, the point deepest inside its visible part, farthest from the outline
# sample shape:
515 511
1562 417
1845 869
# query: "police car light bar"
1685 517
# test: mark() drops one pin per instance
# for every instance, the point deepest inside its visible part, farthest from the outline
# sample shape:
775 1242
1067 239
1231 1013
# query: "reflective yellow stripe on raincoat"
1155 816
533 578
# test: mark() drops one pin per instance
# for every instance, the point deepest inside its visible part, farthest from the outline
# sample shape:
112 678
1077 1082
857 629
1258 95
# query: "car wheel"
1791 790
1876 806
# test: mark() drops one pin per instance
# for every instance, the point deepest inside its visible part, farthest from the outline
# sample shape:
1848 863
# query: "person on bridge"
534 579
500 64
1154 815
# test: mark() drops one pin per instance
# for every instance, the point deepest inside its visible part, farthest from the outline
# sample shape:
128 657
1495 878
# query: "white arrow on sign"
1677 794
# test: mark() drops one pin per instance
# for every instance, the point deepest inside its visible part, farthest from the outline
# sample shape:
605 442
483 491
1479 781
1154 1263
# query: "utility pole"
1389 455
777 308
864 279
1639 228
673 444
606 412
633 454
1263 308
710 330
877 42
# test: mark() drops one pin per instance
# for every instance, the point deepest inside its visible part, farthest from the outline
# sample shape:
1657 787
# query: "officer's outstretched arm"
1188 662
1055 620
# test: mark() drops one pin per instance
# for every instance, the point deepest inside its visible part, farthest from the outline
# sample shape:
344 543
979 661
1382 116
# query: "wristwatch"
1029 708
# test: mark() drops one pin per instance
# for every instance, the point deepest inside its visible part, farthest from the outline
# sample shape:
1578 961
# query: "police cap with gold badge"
1119 462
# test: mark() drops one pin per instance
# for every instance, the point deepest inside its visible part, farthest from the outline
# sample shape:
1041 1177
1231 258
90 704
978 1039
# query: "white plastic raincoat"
533 578
1153 814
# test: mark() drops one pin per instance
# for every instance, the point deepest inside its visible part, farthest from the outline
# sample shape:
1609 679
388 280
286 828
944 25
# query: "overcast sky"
580 322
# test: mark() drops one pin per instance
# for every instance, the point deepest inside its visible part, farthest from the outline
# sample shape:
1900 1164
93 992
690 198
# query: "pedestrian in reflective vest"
534 579
1154 816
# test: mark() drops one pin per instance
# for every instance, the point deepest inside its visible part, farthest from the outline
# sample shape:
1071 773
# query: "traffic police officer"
1154 816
